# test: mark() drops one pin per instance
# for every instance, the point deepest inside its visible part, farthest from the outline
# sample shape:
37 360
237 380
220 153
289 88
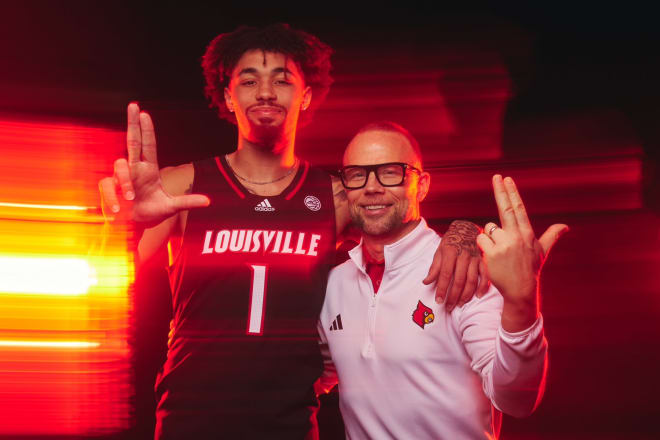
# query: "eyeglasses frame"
373 168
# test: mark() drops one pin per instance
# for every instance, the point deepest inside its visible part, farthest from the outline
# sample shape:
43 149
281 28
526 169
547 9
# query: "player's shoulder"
178 180
320 180
315 170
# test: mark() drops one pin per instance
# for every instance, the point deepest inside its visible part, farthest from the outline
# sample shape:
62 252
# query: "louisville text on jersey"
262 241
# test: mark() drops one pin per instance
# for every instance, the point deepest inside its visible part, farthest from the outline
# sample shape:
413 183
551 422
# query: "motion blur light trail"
64 288
49 344
57 276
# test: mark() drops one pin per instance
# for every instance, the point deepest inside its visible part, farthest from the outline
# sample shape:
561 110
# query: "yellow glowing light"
49 344
50 213
37 206
46 275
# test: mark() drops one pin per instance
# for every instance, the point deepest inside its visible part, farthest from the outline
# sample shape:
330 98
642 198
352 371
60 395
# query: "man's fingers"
504 206
524 226
484 281
108 195
133 133
189 201
434 270
458 284
444 277
490 229
485 243
551 235
123 178
495 233
148 138
470 282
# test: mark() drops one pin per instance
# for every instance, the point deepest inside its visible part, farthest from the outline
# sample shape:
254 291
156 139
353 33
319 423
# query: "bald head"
398 137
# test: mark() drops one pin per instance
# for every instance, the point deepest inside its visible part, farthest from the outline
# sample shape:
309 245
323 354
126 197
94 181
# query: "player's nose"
266 91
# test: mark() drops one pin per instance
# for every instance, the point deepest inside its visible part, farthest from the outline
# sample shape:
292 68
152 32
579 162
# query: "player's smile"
266 113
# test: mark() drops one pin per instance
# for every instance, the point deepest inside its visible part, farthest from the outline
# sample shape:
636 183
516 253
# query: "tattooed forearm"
462 235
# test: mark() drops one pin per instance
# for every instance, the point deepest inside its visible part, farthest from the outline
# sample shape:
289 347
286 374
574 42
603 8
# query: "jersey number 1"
257 300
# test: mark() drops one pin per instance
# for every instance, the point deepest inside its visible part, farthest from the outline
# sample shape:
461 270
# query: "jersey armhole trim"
224 173
300 182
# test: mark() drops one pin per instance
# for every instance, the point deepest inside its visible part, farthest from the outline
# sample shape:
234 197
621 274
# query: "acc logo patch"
422 315
312 203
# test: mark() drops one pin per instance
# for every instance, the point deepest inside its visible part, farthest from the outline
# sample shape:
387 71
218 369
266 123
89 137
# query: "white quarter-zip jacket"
407 369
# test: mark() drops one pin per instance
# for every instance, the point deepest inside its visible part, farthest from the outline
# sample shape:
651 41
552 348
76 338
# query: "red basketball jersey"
248 286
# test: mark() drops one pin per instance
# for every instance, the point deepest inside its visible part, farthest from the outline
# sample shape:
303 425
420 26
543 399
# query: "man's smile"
374 209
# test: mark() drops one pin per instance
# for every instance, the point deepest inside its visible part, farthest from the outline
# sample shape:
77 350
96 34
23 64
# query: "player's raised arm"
137 191
514 257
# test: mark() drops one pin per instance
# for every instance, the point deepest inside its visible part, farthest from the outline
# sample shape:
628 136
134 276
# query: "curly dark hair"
310 54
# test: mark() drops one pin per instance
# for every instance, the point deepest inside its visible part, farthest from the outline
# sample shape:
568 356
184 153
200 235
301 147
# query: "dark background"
564 98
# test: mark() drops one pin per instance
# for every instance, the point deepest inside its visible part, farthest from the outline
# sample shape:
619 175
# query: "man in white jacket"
407 368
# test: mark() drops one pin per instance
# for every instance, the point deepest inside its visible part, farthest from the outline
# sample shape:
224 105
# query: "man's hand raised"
514 256
138 179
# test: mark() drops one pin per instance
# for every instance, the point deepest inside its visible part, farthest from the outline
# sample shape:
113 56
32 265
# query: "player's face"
266 92
385 211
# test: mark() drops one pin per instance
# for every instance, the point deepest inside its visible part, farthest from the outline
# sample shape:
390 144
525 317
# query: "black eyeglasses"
387 174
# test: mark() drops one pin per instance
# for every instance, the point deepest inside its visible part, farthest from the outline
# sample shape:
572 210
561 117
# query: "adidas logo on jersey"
264 206
336 324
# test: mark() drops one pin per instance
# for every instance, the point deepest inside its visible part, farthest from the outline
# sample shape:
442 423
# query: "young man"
407 369
254 234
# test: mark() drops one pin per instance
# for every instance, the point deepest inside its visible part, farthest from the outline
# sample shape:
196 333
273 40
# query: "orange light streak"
50 212
50 344
38 206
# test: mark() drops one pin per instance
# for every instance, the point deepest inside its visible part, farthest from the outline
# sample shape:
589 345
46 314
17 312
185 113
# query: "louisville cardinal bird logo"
422 315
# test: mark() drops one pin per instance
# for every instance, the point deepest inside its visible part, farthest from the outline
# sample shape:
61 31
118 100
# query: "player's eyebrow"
252 70
247 71
282 70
